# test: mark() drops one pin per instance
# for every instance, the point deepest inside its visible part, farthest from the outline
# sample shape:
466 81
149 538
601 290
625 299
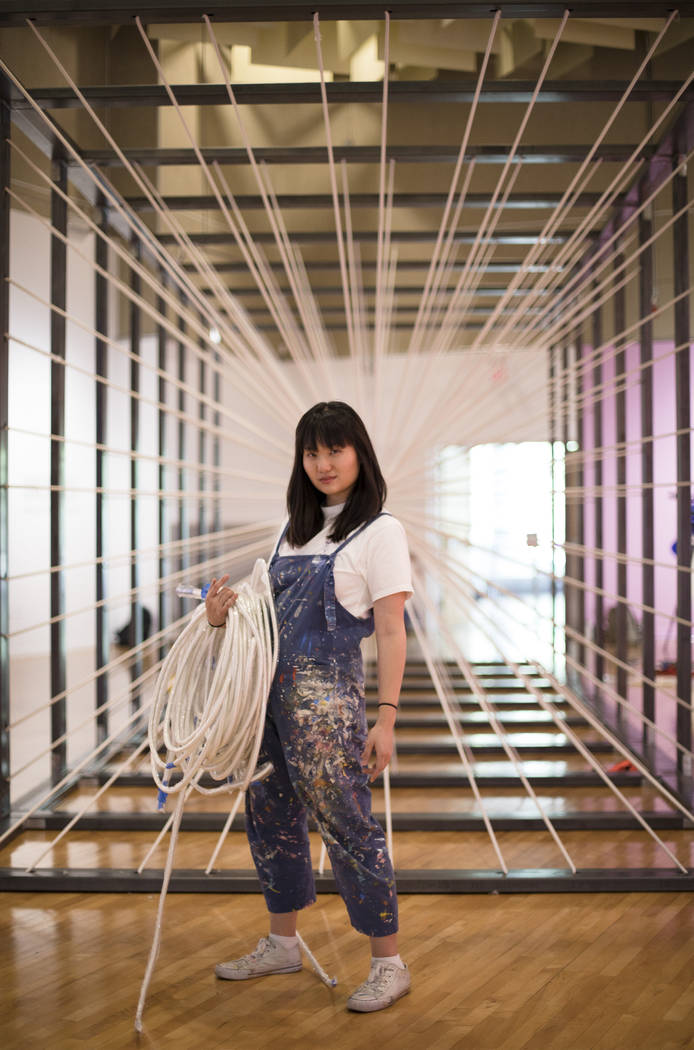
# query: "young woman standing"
340 570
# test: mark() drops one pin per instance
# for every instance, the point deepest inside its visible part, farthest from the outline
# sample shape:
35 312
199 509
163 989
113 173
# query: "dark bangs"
333 424
323 429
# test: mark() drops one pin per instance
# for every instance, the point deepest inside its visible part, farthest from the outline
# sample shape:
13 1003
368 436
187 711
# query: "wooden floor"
540 972
569 971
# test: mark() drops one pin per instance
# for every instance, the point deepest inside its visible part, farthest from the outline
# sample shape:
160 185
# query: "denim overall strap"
329 584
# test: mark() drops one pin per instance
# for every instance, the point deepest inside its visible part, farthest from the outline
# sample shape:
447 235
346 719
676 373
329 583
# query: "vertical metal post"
552 437
58 298
216 451
621 495
162 446
570 589
598 539
101 430
647 494
684 489
181 454
4 462
580 481
202 441
136 613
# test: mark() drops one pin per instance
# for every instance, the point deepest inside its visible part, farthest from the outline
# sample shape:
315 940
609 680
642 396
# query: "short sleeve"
388 568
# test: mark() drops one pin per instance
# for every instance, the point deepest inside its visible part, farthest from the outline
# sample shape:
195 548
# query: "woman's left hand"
379 749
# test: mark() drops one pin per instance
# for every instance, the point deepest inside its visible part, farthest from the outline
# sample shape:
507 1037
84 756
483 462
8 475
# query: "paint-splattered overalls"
314 735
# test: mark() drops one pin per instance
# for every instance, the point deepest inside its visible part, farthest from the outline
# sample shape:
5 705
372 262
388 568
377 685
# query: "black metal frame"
136 633
647 474
289 201
606 153
680 249
421 92
568 820
432 880
580 482
58 298
347 92
103 645
183 525
621 496
162 449
5 132
598 525
117 12
202 437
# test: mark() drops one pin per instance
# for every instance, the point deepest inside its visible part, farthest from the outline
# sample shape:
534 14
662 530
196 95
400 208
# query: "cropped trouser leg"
318 770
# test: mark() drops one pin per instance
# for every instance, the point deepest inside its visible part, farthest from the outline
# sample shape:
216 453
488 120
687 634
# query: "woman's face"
333 471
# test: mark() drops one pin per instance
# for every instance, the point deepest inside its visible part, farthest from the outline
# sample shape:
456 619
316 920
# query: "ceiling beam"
404 266
288 201
348 92
366 237
481 292
423 154
119 12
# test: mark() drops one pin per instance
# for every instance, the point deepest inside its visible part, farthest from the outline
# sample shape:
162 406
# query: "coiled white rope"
210 698
209 713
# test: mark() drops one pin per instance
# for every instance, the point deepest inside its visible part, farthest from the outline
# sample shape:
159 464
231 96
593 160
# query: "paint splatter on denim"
314 736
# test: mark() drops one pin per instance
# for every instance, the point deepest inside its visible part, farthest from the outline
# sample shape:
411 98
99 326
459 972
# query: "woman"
340 569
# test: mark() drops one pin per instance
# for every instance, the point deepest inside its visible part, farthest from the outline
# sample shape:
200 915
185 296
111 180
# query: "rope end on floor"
331 982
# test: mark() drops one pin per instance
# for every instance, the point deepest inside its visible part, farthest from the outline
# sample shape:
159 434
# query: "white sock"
284 942
389 959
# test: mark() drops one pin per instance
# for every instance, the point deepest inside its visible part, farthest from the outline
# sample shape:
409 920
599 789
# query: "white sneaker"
386 983
267 958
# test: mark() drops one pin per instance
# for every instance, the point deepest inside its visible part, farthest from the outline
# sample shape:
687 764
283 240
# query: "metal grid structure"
488 243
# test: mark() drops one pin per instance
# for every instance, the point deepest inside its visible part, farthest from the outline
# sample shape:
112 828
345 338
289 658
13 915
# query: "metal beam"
646 299
122 12
254 202
404 266
452 776
400 290
418 880
162 449
136 608
202 527
181 453
367 237
564 819
620 399
5 128
413 154
58 297
683 338
348 92
598 526
103 645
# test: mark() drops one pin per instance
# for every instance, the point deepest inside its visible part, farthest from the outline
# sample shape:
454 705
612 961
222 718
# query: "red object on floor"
625 766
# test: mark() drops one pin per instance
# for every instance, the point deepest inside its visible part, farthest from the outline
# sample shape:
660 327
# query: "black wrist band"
384 703
216 625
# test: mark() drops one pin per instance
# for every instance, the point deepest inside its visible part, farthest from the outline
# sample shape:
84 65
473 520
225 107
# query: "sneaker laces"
379 977
263 947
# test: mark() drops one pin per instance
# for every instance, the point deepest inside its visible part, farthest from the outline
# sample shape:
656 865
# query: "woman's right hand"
218 602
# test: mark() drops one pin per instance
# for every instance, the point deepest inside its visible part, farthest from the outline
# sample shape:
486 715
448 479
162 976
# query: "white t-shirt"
374 564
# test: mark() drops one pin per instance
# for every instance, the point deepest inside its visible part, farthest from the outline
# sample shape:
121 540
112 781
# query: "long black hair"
333 424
